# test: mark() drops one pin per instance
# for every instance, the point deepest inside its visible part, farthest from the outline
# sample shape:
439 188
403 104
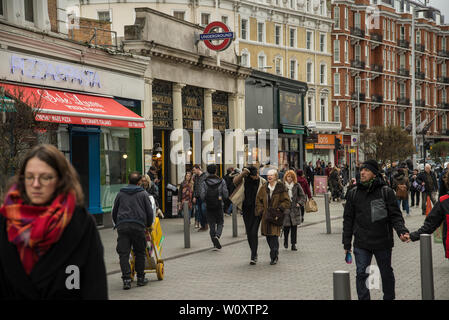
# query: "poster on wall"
320 184
290 108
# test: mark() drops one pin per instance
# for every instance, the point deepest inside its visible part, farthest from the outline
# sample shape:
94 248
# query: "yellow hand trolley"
153 260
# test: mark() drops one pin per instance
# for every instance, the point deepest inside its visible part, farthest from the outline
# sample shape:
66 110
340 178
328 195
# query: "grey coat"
293 215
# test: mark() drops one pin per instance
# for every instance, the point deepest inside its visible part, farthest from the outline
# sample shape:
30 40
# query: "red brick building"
372 57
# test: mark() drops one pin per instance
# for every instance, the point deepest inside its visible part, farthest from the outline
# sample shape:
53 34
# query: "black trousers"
131 235
294 230
414 194
215 221
252 223
273 243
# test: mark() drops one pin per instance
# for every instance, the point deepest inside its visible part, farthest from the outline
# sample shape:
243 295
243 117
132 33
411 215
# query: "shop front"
323 147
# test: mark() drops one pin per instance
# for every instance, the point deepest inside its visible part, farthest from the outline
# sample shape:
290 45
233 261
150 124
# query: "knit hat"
252 171
371 165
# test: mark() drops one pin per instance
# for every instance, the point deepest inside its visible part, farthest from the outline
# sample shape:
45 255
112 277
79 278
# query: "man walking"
429 181
200 176
213 191
248 183
310 172
132 213
371 212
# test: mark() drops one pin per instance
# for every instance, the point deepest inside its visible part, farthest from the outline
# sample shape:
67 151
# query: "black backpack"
212 196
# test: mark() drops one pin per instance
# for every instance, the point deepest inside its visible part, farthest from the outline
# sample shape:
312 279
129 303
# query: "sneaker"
274 261
294 248
142 281
126 284
216 242
252 262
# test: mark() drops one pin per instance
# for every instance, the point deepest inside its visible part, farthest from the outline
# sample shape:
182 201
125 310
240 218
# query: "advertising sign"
320 184
290 108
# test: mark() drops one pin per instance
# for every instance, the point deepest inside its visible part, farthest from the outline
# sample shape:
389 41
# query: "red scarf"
35 229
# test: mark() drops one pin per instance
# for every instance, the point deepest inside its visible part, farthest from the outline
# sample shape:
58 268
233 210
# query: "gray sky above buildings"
443 5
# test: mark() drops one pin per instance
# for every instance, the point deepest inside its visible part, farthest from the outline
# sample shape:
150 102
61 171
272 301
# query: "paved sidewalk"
173 230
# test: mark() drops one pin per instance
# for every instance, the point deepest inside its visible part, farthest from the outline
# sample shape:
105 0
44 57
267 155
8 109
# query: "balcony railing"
443 79
358 64
403 43
420 103
443 53
377 98
403 72
358 32
419 47
420 75
443 105
376 36
377 67
404 101
361 96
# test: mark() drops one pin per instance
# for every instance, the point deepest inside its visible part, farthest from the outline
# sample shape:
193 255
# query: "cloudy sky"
443 5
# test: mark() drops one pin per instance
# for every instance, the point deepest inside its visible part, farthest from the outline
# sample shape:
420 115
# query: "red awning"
73 108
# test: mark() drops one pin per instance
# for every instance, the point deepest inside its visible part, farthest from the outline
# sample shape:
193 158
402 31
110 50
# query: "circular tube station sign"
224 37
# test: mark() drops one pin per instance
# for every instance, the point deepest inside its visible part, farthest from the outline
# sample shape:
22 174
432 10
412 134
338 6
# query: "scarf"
34 229
289 189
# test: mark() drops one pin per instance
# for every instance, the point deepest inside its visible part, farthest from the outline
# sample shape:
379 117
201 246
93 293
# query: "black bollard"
427 289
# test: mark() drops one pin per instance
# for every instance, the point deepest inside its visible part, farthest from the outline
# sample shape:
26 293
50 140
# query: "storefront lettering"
96 122
191 102
162 124
162 99
69 99
38 69
192 113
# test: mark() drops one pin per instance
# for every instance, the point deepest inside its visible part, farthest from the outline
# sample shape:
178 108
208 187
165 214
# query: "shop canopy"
73 108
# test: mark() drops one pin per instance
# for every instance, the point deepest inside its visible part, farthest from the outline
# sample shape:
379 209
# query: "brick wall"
53 15
86 32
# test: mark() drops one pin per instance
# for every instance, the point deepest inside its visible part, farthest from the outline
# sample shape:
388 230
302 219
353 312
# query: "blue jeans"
404 205
201 212
363 259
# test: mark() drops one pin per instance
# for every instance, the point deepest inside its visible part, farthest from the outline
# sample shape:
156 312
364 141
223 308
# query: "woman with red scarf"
49 245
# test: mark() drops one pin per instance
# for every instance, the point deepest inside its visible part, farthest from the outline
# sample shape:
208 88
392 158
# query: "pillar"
208 121
147 113
177 124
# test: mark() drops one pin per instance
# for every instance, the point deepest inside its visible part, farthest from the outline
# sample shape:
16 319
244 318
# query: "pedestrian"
428 180
335 184
442 190
46 234
305 187
186 195
310 172
318 170
156 178
229 177
292 216
437 216
150 187
131 214
371 212
414 192
401 185
198 179
212 192
272 196
247 185
328 169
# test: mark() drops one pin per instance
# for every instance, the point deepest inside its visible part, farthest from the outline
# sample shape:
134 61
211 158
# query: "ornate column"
208 119
147 113
177 124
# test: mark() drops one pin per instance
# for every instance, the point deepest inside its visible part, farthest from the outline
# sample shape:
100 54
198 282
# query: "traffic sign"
226 36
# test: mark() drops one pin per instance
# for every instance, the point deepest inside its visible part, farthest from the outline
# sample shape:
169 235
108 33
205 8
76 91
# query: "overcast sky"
443 5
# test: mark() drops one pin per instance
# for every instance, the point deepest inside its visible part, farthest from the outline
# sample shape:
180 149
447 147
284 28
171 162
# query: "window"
443 70
427 95
29 10
367 88
337 114
357 52
292 4
347 84
278 35
336 50
357 22
337 84
245 59
385 116
292 37
347 116
225 19
337 17
357 84
179 15
402 90
309 5
443 95
309 72
278 66
346 19
402 61
418 92
418 37
323 109
356 116
293 69
309 40
205 19
425 40
434 96
323 74
322 42
388 30
393 27
402 33
443 43
434 70
346 52
434 43
402 119
1 8
425 66
310 107
384 24
367 112
260 32
244 29
367 55
444 122
261 62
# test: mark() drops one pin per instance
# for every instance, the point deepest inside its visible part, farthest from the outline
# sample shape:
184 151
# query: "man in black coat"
427 179
310 173
371 212
132 213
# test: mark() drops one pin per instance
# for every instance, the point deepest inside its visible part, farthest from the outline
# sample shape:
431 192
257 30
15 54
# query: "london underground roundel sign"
210 33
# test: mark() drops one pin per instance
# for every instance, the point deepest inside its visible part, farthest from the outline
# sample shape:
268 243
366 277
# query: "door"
80 160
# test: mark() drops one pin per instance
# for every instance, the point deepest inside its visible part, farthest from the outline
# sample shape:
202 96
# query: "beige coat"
238 196
279 199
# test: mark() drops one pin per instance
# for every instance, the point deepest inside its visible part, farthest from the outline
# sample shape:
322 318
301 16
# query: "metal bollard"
342 287
328 214
234 221
185 211
427 289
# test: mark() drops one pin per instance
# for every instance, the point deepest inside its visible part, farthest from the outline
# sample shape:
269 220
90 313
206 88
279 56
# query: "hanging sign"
225 37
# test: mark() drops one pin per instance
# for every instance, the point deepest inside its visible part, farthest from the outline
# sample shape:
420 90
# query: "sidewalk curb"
223 245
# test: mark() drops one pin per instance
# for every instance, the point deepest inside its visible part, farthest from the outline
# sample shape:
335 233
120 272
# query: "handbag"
275 216
311 206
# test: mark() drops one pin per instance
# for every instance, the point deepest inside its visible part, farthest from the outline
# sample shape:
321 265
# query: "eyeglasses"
44 180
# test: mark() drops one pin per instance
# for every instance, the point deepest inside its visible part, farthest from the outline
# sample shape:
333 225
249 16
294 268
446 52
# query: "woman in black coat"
49 245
